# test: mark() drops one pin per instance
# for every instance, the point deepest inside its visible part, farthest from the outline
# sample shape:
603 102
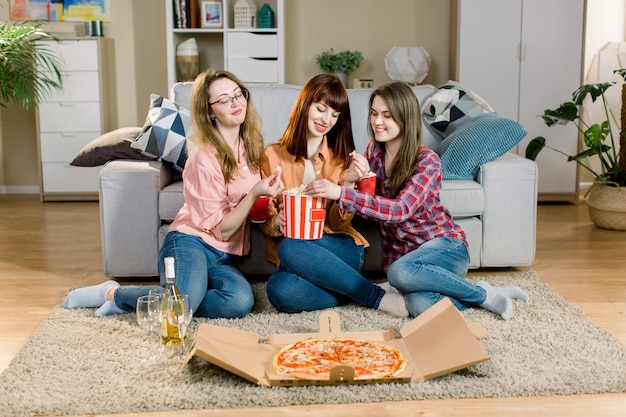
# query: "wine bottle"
170 335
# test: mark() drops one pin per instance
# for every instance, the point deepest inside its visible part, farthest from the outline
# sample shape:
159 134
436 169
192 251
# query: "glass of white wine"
179 314
149 317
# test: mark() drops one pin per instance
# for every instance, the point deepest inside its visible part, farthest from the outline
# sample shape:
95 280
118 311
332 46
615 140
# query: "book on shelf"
185 14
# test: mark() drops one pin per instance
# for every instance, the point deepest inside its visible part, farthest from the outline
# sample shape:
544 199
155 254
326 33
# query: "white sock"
498 304
93 296
388 287
107 308
511 291
393 303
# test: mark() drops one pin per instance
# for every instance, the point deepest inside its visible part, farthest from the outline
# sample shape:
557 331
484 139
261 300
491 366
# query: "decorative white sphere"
408 64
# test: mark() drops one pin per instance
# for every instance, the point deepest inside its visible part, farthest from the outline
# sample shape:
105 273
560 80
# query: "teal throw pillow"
163 136
481 139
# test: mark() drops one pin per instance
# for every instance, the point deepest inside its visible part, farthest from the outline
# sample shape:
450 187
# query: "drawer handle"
263 58
67 105
68 135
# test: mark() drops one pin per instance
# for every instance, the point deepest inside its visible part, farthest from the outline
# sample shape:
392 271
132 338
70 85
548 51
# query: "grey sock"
93 296
387 287
511 291
108 308
498 304
393 303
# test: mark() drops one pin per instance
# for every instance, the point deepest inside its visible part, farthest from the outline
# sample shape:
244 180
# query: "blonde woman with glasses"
222 181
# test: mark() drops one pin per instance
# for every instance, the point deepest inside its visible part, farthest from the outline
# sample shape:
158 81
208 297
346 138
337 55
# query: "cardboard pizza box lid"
330 328
440 341
234 350
437 342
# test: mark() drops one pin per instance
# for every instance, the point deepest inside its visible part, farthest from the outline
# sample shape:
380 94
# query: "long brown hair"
205 130
404 108
327 89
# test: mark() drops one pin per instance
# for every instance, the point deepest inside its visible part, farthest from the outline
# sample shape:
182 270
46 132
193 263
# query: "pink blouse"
208 198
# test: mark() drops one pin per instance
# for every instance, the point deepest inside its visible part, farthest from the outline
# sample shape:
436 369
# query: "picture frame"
210 14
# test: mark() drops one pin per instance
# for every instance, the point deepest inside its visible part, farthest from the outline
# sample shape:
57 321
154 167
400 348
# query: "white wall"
371 26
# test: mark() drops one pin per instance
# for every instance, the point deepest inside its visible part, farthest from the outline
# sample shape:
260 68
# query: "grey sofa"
138 199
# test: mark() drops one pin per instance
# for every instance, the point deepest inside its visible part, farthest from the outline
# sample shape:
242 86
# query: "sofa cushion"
451 106
463 198
171 199
163 135
480 140
108 147
274 104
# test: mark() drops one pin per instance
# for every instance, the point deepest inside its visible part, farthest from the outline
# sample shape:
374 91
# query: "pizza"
314 358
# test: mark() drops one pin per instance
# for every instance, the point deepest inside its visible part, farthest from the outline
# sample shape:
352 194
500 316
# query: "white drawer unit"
253 56
252 44
254 70
70 118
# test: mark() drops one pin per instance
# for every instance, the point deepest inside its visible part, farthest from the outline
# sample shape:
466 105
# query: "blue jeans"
319 274
433 271
212 279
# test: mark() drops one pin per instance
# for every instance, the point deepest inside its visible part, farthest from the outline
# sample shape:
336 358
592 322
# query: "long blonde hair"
206 132
404 108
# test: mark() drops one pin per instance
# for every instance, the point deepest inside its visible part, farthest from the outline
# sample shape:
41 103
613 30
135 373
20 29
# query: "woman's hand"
359 167
279 220
271 186
324 188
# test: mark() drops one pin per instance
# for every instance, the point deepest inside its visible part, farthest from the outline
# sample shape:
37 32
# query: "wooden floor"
47 248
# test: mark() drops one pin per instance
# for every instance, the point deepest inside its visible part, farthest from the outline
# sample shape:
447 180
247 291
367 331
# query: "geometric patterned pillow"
163 136
451 106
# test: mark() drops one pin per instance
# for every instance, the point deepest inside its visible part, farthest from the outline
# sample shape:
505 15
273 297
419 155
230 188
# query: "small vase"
343 77
266 16
607 206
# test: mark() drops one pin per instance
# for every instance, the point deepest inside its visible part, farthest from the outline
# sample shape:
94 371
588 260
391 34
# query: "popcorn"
299 190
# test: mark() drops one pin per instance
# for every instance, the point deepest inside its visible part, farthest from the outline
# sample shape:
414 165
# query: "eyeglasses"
243 93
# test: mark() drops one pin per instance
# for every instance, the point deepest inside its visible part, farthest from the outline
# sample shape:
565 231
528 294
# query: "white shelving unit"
255 55
522 57
69 119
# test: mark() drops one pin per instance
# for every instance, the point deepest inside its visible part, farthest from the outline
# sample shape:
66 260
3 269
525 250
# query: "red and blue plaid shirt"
412 217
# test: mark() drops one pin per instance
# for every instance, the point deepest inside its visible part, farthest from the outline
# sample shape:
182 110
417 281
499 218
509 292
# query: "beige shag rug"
76 363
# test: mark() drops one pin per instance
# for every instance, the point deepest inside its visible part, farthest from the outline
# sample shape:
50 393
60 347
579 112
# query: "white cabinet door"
488 60
552 33
522 57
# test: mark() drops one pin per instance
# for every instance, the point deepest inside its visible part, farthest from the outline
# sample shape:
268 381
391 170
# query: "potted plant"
27 74
341 63
607 196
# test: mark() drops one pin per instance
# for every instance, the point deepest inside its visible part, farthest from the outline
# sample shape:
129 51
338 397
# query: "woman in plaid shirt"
321 273
425 252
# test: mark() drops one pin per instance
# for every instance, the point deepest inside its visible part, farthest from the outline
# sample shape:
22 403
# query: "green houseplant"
344 62
607 196
20 80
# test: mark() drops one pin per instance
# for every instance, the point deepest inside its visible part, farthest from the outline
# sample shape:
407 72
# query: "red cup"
367 185
258 213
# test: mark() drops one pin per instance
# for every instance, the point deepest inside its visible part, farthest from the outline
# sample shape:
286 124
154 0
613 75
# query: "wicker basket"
607 206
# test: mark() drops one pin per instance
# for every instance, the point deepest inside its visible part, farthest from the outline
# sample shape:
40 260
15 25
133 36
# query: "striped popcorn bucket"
304 216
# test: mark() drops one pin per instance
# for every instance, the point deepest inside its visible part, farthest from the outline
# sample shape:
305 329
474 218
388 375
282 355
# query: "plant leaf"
534 147
565 113
593 90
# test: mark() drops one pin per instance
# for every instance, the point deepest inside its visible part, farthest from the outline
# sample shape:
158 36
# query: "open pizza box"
437 342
